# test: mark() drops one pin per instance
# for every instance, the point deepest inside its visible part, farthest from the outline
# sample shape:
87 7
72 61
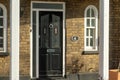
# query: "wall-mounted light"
74 38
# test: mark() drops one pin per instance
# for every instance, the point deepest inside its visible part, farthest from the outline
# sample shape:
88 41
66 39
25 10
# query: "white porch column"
104 40
14 24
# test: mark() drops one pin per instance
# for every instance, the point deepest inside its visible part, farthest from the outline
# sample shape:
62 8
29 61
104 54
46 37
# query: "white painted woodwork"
104 40
14 25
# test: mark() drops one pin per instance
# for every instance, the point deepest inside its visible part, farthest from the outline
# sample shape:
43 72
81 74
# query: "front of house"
57 37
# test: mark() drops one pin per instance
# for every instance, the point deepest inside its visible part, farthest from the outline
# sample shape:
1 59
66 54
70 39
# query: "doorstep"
79 76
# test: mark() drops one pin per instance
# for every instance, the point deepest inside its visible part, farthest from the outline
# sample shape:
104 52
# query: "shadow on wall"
75 65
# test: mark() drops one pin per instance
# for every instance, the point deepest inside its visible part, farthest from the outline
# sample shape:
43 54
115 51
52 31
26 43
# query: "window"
91 26
3 24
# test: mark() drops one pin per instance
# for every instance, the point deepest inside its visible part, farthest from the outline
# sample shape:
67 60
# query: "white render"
14 25
104 40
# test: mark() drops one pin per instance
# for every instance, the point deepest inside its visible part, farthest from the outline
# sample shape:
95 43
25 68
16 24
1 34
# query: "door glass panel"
1 11
49 6
34 43
34 31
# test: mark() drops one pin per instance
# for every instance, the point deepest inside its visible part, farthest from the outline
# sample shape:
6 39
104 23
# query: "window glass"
88 13
88 22
93 22
91 32
87 32
92 13
1 32
87 40
1 21
1 43
91 41
1 11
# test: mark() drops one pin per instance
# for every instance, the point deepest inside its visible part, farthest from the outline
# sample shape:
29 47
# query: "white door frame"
37 41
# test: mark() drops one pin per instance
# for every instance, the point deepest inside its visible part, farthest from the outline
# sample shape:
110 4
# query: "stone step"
80 76
53 78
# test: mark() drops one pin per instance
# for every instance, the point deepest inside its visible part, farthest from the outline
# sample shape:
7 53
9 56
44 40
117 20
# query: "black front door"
50 43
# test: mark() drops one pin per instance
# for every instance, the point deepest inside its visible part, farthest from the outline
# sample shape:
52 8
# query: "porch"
34 68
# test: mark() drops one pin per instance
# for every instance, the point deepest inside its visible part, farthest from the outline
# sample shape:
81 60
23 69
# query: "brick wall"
114 33
75 60
5 60
25 39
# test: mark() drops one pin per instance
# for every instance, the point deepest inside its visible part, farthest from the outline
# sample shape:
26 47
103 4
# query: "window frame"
95 38
4 49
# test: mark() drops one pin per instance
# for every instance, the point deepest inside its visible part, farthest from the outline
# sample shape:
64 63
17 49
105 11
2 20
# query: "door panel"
50 43
44 31
56 60
56 32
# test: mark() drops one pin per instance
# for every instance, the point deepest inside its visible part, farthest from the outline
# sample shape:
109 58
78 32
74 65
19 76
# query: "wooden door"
50 43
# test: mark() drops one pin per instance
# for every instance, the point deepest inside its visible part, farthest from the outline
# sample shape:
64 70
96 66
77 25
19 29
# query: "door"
50 43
